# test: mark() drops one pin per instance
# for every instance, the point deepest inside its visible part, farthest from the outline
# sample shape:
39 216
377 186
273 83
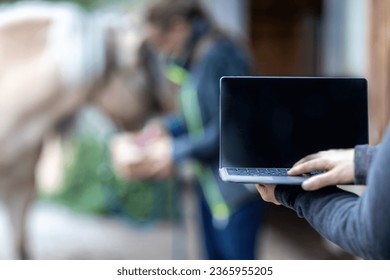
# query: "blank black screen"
273 122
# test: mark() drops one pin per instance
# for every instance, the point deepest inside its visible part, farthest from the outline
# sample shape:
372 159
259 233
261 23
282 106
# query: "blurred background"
84 211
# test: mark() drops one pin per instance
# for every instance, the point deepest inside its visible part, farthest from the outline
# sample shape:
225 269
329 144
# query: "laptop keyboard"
258 171
262 171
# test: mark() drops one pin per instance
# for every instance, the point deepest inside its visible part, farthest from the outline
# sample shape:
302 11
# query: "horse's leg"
17 205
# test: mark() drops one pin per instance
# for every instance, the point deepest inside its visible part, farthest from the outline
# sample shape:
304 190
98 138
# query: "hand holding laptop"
267 193
337 164
338 167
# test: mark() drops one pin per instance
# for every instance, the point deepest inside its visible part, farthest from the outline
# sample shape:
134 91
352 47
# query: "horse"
55 58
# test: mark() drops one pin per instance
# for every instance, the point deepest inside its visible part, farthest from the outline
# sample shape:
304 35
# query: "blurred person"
358 224
198 55
53 59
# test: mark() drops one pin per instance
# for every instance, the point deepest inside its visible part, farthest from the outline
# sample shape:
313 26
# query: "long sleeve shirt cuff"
364 155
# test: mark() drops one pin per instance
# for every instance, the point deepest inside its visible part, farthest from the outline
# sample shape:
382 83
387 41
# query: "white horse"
53 59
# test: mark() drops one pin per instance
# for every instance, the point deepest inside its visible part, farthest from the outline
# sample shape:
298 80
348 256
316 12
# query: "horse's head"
137 88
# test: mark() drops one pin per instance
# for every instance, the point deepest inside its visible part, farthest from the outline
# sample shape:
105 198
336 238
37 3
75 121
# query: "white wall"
345 37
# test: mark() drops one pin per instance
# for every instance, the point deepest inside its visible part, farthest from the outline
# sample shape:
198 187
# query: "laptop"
269 123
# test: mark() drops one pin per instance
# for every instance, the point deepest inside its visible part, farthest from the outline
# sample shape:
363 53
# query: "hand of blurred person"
126 156
338 167
157 144
153 130
149 159
267 193
160 158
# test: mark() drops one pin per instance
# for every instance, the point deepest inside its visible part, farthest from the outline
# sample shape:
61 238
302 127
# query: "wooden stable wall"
379 68
284 36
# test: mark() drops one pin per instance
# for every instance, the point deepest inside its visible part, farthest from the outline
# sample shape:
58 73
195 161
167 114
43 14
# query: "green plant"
90 185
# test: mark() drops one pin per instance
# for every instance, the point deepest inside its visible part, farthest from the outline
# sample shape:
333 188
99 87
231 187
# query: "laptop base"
250 176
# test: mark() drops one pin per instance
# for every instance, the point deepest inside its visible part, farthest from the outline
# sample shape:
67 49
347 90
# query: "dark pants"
237 240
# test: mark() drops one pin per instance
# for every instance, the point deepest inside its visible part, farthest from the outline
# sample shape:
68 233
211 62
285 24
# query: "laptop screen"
275 121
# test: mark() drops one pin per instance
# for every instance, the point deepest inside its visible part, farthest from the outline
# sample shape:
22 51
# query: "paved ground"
57 233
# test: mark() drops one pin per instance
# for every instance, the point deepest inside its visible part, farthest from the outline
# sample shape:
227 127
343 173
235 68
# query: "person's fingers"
318 181
262 191
155 170
305 159
164 173
307 167
160 170
267 193
260 188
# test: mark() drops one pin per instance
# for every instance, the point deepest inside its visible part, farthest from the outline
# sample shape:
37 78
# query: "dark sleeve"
364 156
360 225
206 81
